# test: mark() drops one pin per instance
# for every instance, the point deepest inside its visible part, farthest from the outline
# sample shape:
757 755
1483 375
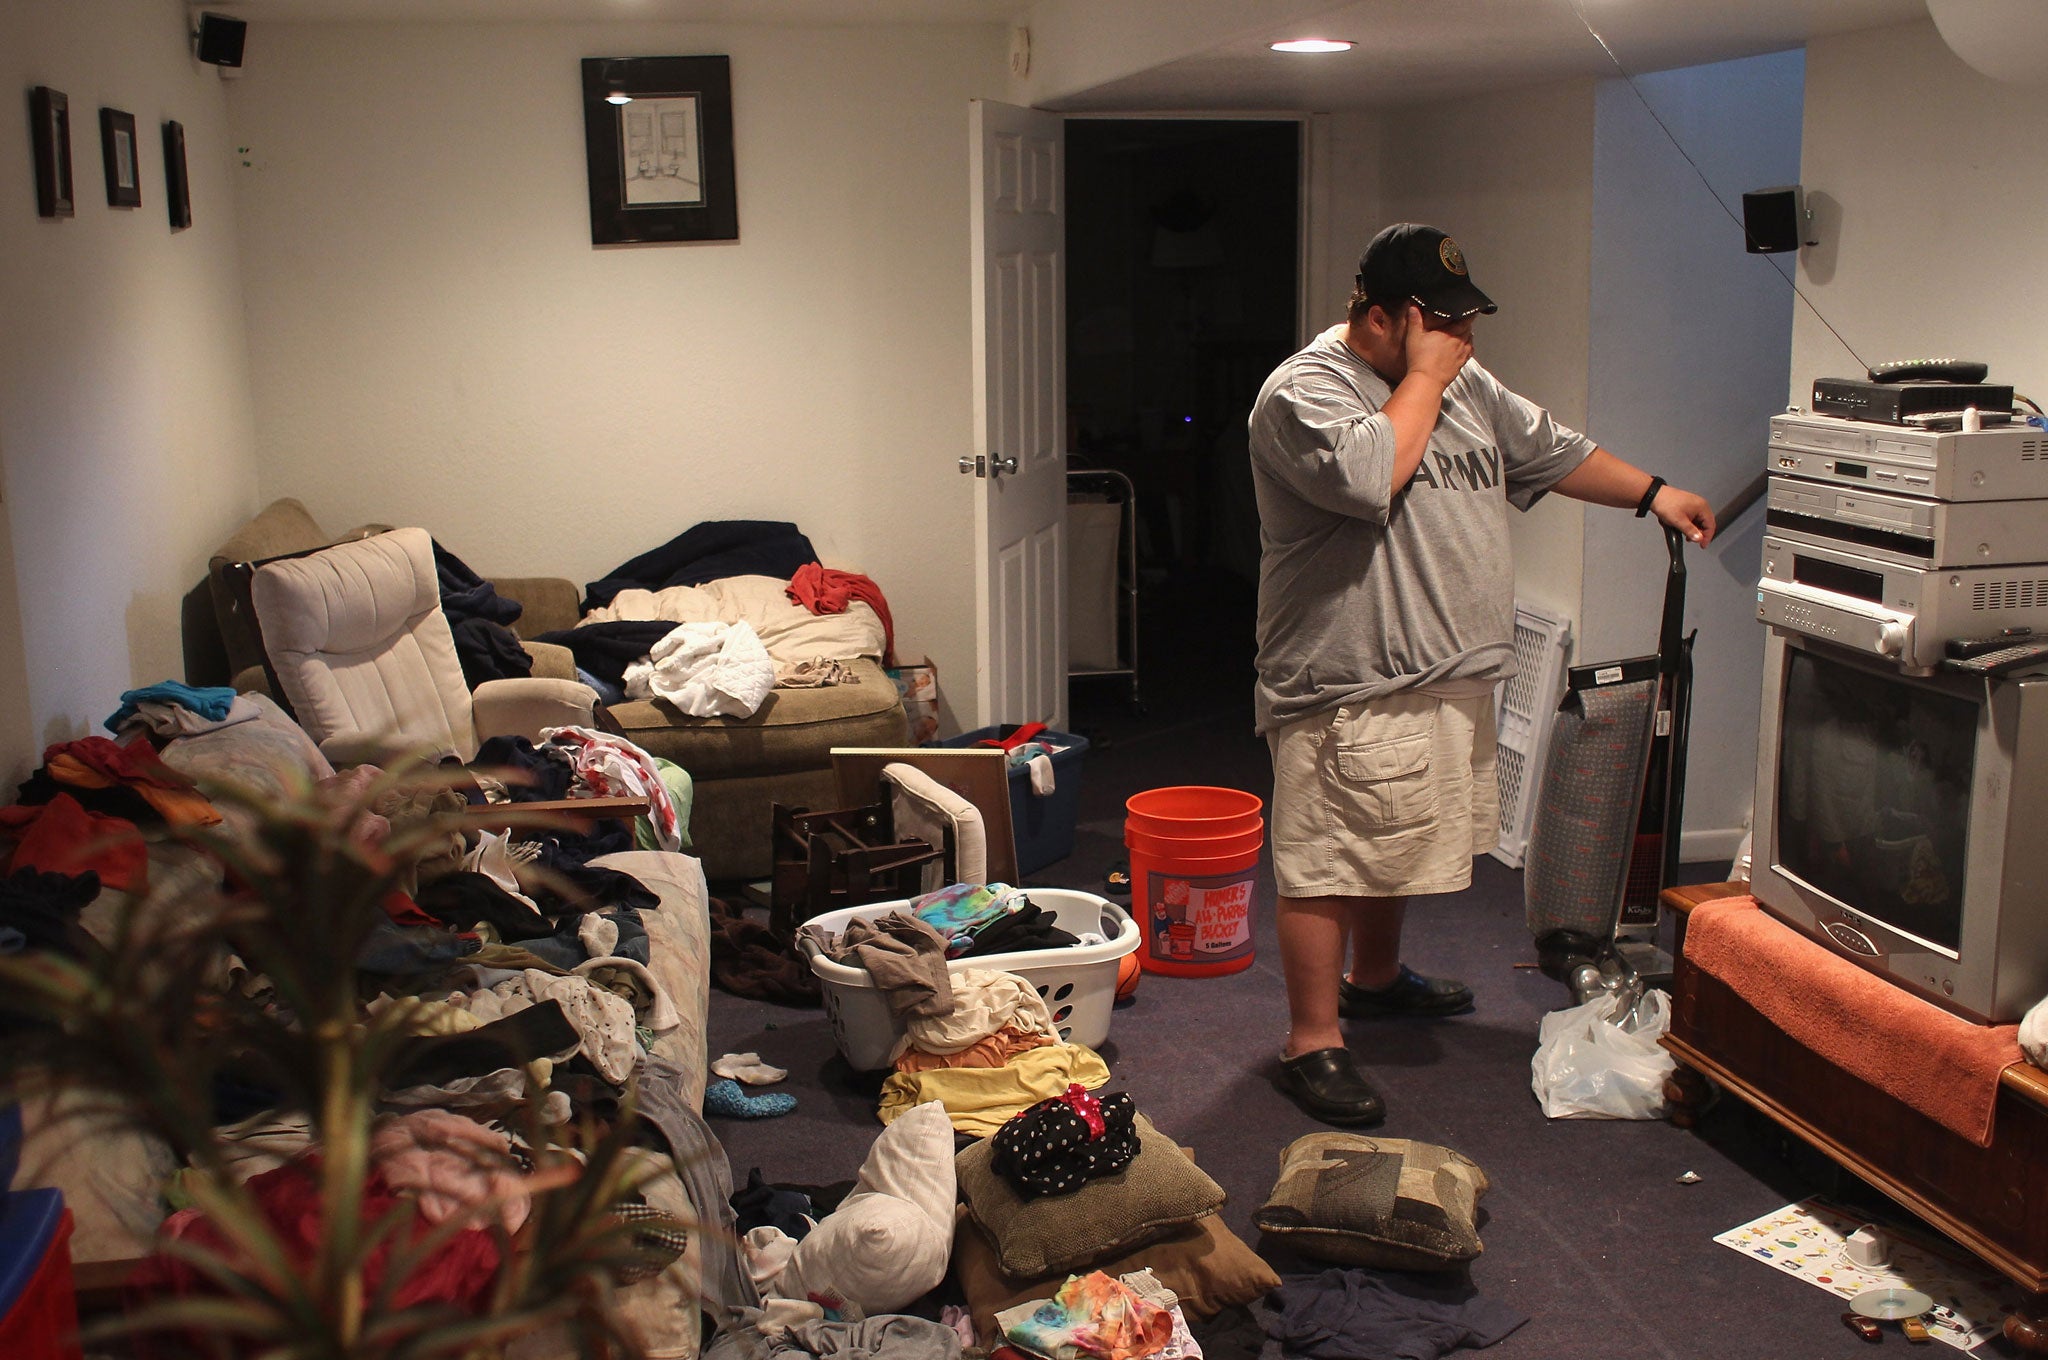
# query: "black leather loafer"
1327 1086
1409 994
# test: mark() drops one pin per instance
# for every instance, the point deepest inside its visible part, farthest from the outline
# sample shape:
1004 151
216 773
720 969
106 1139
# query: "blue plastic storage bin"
1044 827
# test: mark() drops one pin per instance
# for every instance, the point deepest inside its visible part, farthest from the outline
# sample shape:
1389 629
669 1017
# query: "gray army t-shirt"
1363 594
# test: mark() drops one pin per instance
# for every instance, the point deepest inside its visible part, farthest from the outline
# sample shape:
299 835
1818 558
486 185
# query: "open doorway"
1183 245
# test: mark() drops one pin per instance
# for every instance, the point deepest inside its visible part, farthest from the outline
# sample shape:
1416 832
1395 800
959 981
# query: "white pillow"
888 1243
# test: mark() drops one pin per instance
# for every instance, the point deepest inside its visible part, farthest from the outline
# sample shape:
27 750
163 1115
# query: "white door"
1019 413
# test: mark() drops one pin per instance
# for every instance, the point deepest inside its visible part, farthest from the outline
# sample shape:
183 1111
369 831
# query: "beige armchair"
357 640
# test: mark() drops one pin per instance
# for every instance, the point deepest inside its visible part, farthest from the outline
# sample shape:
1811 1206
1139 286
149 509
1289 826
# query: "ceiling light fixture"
618 97
1315 45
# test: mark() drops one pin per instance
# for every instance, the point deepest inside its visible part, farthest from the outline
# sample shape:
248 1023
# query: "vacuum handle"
1672 635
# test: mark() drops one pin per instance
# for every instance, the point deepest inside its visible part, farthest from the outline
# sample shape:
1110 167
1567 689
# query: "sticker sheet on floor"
1805 1239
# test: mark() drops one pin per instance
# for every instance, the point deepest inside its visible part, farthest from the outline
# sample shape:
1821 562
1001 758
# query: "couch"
739 766
112 1176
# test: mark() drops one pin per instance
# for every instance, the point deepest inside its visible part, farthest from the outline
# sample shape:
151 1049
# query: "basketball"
1127 974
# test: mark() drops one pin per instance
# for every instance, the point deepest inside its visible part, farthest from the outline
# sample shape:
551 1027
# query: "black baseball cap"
1409 260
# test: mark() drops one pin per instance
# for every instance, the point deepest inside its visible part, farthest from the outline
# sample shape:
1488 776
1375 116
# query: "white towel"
707 670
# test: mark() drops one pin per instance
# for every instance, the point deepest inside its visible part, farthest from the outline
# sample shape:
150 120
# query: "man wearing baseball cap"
1385 459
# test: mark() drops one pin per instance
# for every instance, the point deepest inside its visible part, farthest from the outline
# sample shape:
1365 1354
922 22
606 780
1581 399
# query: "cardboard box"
919 687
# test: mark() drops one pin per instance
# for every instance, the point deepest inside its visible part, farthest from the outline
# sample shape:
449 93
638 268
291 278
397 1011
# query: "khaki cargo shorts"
1385 798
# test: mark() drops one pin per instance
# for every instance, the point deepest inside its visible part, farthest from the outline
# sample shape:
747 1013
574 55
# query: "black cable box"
1896 403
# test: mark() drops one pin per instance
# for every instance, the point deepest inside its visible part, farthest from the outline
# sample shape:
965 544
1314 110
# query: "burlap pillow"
1160 1190
1385 1202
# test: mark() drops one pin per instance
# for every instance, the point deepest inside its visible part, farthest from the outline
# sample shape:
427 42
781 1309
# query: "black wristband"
1650 496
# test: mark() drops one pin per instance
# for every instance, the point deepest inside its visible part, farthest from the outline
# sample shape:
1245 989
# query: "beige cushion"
1159 1191
356 636
1385 1202
924 809
795 730
789 631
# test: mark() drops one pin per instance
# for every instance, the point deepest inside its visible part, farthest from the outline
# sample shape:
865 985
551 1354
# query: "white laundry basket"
1078 982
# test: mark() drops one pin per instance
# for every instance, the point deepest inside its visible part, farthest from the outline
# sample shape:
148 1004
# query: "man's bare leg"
1376 941
1312 931
1317 1070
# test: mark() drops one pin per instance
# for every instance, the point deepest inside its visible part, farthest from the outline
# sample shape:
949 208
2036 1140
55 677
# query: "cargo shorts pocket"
1383 767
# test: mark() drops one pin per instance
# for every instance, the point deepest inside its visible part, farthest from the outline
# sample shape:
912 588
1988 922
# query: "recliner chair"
356 639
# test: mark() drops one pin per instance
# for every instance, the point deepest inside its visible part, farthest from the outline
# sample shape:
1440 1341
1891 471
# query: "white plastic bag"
1601 1060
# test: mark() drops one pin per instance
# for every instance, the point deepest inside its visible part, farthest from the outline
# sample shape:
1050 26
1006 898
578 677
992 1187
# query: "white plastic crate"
1523 712
1078 983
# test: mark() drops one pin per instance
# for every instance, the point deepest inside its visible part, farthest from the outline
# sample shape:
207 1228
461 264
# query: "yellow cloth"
979 1099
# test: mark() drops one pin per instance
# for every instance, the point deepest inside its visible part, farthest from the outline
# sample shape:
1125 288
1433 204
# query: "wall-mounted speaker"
1774 220
219 39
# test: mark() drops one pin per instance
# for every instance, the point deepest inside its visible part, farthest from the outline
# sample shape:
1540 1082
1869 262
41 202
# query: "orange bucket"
1194 859
1193 810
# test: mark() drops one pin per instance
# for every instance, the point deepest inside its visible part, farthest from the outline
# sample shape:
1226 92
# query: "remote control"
1962 649
1930 370
2003 661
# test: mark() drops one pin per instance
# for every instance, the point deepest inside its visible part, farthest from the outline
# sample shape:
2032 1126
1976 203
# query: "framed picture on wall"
124 165
658 140
50 116
177 186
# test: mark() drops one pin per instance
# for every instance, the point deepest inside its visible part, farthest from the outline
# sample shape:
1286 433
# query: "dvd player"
1897 403
1912 530
2010 463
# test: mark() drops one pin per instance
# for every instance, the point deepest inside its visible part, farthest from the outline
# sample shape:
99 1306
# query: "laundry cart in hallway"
1102 576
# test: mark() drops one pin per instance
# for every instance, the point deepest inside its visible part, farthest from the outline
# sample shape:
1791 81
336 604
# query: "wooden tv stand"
1993 1201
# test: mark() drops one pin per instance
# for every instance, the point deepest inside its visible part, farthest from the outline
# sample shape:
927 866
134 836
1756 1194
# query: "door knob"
969 464
1004 464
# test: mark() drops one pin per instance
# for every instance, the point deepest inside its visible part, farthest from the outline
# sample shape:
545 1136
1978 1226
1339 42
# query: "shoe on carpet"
1409 994
1326 1084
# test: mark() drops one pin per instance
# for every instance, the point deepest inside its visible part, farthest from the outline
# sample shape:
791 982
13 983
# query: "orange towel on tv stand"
1936 1063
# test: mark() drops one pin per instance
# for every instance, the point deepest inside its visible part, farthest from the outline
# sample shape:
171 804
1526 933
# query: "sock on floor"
725 1097
749 1068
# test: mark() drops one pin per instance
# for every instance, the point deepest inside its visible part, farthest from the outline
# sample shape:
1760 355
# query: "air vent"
2033 450
1526 706
2011 593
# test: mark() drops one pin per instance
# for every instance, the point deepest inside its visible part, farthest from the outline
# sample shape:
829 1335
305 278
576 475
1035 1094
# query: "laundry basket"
1078 982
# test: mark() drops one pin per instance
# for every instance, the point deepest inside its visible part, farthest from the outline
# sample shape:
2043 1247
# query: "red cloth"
1939 1064
97 763
825 591
1028 732
459 1271
62 836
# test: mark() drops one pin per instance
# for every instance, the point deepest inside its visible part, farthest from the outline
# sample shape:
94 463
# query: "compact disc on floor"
1891 1304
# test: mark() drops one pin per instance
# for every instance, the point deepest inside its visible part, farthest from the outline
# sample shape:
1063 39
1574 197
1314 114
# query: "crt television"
1903 821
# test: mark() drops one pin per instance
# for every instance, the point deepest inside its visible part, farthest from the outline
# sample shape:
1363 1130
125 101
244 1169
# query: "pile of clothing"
979 1041
685 623
521 970
1098 1317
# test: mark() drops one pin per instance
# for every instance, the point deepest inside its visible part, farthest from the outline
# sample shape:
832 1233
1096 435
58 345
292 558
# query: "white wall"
435 337
1926 179
125 415
1345 208
1510 175
1690 337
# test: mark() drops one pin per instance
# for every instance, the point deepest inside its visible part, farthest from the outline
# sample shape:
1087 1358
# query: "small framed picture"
658 141
124 168
50 114
177 187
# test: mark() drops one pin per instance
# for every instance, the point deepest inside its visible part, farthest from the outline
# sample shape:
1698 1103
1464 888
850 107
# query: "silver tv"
1903 822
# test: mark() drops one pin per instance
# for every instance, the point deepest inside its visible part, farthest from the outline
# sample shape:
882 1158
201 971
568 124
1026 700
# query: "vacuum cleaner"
1609 810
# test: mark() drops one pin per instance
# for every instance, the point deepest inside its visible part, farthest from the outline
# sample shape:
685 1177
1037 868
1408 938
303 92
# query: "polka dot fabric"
1048 1149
